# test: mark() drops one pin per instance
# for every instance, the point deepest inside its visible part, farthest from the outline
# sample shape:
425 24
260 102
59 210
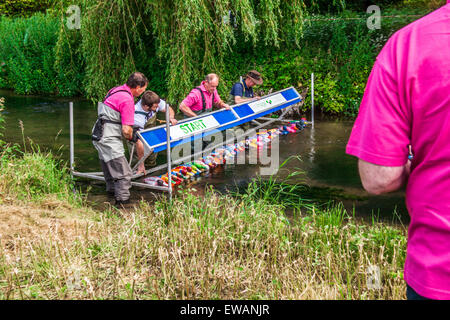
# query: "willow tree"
108 41
190 37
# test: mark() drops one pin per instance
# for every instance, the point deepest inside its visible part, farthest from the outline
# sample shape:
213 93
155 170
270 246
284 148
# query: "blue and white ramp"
198 127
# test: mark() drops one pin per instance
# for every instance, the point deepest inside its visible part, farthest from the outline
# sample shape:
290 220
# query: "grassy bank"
54 246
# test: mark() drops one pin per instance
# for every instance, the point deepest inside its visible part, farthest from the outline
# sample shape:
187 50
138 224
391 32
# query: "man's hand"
173 121
226 106
127 132
134 137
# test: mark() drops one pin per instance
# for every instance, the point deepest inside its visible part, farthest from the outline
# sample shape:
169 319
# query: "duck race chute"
191 171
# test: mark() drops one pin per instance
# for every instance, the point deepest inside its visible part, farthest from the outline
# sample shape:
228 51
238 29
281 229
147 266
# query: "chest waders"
245 126
203 109
151 122
231 97
110 145
111 152
201 112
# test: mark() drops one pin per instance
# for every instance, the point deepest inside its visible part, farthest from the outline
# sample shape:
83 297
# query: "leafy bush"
339 50
28 57
23 7
339 53
26 49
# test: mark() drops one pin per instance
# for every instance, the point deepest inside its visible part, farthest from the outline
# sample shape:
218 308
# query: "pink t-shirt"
122 102
194 98
407 101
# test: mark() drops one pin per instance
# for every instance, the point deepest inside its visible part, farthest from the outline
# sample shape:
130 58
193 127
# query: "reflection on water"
46 123
321 151
312 146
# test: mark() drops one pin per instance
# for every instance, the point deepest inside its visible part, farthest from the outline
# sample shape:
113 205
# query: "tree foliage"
175 43
23 7
190 37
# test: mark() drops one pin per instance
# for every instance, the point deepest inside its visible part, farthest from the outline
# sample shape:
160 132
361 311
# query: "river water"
321 151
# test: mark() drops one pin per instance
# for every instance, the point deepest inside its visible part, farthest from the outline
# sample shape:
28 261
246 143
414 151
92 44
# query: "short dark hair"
137 79
149 98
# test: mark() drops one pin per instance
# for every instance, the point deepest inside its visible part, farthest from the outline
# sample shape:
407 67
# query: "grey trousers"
117 174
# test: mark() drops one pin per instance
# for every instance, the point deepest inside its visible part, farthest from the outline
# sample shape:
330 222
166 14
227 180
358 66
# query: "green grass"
35 176
214 247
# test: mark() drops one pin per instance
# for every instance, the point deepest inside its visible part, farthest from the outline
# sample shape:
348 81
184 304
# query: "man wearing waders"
144 118
242 91
201 99
402 136
115 120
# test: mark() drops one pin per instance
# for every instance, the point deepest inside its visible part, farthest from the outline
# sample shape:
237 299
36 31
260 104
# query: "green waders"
151 160
245 126
199 113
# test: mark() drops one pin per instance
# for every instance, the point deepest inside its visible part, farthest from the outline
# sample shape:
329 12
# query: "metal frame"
99 175
238 119
208 150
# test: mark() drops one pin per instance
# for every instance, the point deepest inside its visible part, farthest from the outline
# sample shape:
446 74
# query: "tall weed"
34 176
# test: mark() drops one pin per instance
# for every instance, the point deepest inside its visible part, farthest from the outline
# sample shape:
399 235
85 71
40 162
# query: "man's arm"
238 99
127 132
238 93
127 114
380 179
187 111
223 105
172 119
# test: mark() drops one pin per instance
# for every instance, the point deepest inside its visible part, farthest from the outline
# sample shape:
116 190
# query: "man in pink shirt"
202 99
115 120
407 103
